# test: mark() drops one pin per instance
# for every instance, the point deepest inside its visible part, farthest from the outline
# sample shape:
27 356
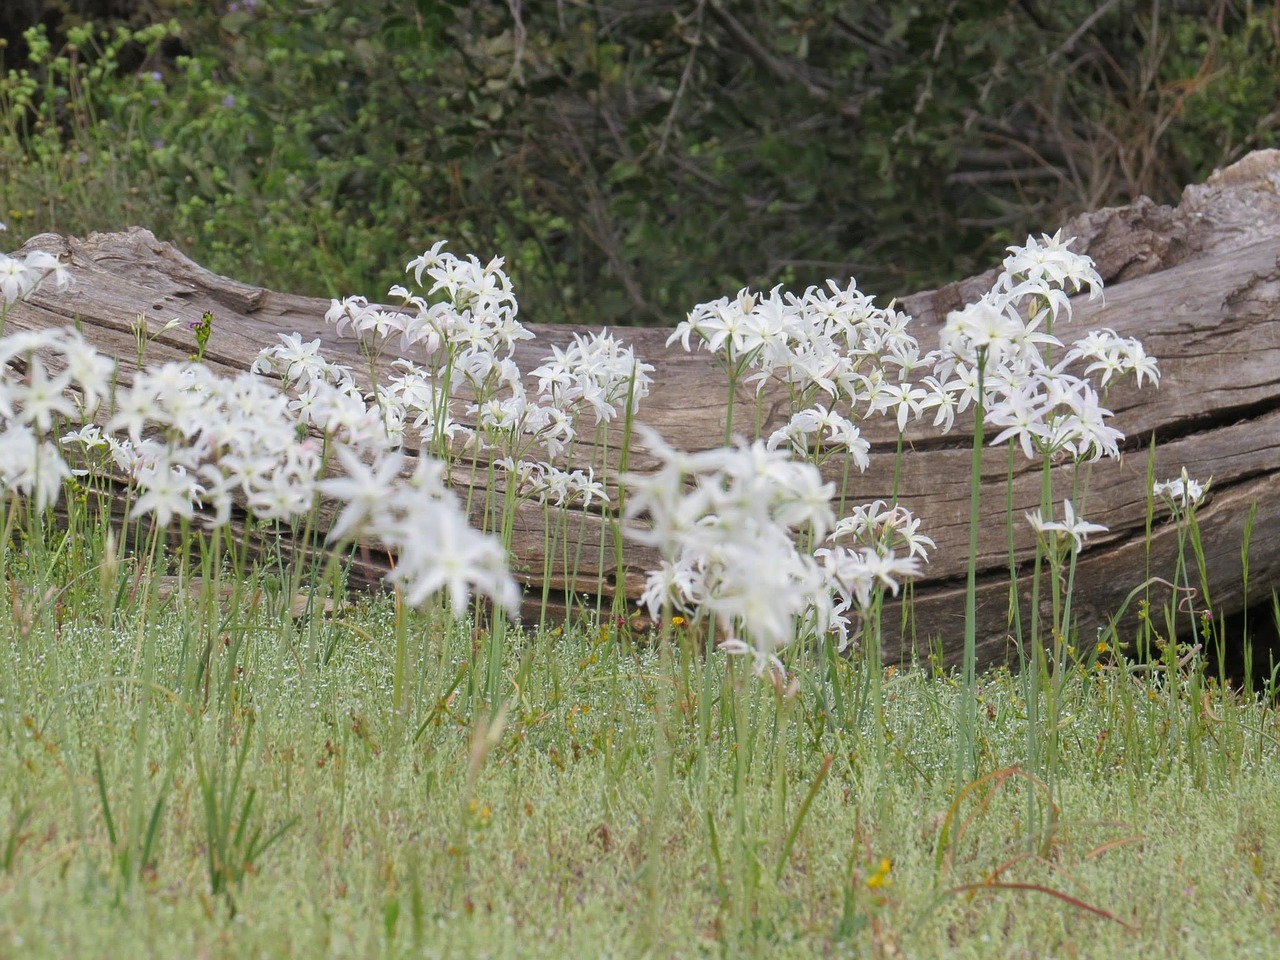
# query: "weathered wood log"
1199 284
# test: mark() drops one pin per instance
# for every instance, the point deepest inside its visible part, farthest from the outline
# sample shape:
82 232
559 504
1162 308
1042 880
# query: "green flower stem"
967 758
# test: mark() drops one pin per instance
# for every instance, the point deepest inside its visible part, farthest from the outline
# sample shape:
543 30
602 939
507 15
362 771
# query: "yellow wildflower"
881 878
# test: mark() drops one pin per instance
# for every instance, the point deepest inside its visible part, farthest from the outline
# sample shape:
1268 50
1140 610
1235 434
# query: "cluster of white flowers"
1049 411
186 439
546 483
1182 495
831 345
62 380
1070 532
423 523
818 433
596 373
883 527
840 358
726 521
1112 355
856 574
465 338
461 330
19 276
727 543
298 364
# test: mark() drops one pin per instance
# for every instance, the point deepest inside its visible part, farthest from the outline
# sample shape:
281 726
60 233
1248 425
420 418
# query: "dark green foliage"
633 157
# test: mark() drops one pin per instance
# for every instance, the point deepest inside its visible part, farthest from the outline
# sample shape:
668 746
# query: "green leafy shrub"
629 160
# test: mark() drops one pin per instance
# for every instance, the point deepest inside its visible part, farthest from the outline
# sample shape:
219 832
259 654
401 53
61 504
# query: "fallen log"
1199 284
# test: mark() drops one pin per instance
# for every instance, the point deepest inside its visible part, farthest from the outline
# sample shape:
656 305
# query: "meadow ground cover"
198 762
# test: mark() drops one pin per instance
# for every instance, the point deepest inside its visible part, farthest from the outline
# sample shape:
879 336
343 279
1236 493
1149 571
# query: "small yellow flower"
881 877
481 811
677 621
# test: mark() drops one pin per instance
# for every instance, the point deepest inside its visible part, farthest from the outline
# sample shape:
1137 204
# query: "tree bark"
1199 284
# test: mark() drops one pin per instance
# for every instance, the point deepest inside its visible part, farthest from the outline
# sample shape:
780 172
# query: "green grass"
602 808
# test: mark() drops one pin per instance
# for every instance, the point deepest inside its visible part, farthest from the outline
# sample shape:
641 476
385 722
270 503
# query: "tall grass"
591 812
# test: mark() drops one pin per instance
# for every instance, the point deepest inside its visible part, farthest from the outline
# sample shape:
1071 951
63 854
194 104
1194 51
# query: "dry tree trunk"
1199 284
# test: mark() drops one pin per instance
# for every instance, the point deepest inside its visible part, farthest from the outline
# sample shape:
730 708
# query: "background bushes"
630 158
